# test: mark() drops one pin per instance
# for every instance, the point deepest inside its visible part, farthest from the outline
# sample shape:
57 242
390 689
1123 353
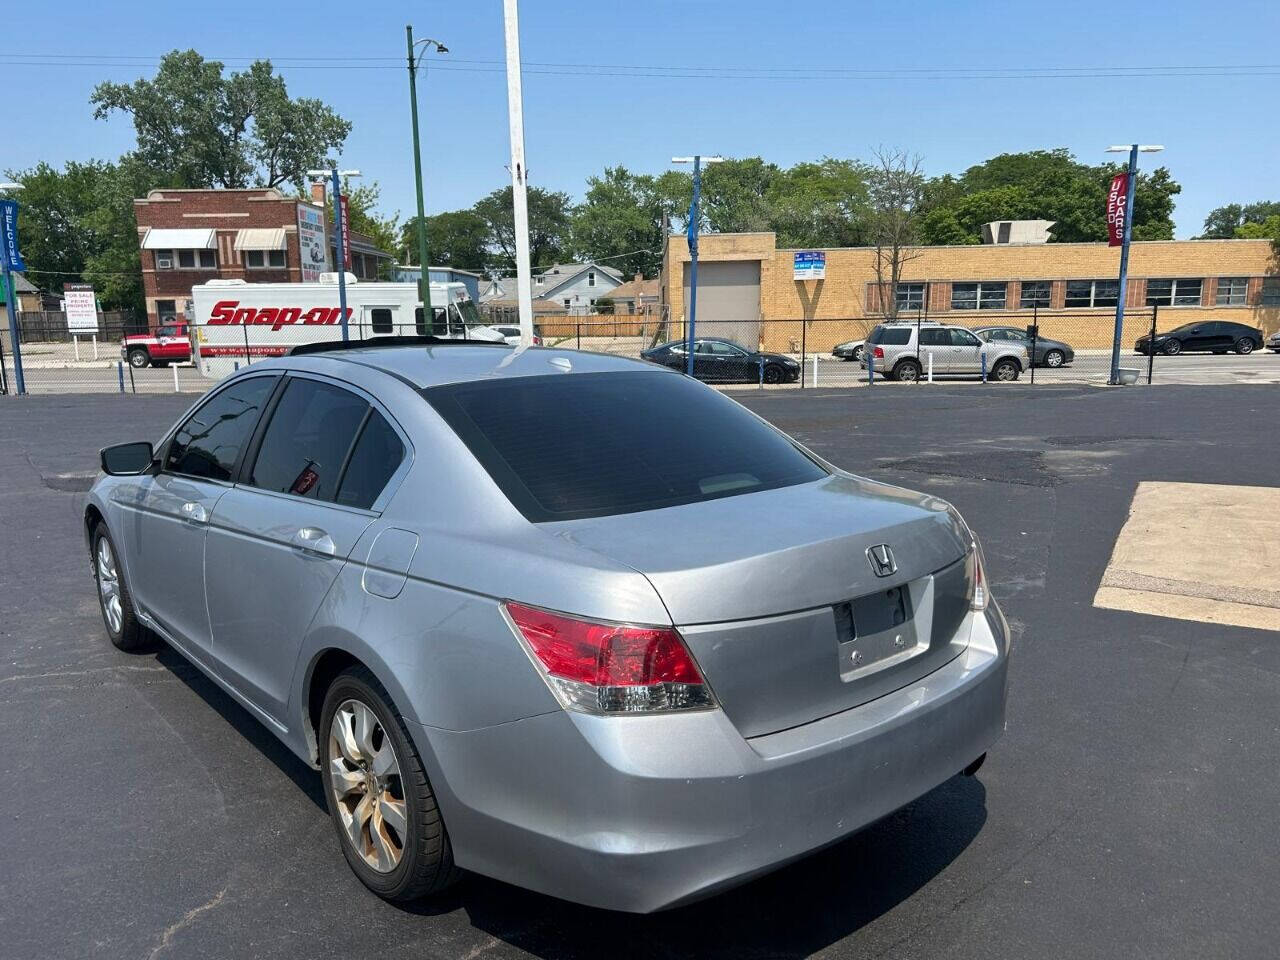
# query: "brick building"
1069 287
188 237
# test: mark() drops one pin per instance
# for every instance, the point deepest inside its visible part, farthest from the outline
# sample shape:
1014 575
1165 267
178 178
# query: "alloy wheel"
109 586
1053 359
1245 345
364 775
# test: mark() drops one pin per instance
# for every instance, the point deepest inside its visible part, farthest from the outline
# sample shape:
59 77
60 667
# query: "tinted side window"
377 454
934 338
381 320
962 338
209 442
890 336
308 440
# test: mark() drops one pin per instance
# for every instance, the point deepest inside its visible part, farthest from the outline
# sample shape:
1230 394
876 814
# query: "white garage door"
728 301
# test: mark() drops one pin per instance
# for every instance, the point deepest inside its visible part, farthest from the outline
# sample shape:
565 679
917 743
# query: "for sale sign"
809 265
1117 204
81 307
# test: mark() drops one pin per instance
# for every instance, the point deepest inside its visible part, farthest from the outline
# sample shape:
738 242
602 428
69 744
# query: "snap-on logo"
229 313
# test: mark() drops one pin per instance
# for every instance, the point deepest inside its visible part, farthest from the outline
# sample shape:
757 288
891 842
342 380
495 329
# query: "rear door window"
209 441
934 338
377 455
620 442
309 440
890 336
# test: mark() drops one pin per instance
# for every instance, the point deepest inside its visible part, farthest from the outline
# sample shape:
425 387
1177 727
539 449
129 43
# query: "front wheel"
139 359
114 600
857 354
1054 358
1005 371
772 374
1173 348
377 792
1244 345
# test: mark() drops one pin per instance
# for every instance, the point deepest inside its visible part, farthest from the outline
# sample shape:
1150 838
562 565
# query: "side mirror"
127 459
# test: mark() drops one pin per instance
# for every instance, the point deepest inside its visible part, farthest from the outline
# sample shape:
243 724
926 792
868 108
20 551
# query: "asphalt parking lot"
1129 810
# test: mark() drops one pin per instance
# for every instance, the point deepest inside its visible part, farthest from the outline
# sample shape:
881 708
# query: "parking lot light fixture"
424 257
1133 150
697 162
338 233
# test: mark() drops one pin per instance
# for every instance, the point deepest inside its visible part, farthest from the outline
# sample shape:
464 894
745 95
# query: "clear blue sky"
1219 131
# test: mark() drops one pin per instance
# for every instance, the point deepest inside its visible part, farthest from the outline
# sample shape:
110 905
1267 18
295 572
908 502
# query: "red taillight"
610 668
537 341
878 353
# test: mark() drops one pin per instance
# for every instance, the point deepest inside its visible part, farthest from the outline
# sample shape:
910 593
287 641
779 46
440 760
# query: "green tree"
1268 229
550 215
823 204
735 195
458 238
205 128
621 220
1225 222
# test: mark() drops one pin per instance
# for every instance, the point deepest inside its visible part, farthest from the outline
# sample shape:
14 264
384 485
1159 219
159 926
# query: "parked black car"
1049 353
1212 336
723 361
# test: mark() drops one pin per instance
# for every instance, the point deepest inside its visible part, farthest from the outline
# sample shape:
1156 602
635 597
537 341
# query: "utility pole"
519 172
339 234
424 257
697 162
1133 150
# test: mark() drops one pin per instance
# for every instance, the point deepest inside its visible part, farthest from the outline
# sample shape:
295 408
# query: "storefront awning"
261 238
187 239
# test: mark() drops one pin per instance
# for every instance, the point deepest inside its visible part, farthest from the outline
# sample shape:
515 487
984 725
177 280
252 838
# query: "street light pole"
697 161
10 295
1133 150
339 235
519 170
424 257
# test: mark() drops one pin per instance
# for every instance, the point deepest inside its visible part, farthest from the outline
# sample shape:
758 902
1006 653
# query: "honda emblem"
881 559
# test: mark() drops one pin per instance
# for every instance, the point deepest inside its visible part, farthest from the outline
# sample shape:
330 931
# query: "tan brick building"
188 237
746 286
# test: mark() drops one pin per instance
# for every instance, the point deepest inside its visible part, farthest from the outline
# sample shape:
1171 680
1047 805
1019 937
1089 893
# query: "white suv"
905 351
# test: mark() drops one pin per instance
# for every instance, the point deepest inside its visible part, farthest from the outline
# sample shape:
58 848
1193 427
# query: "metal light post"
1133 150
697 162
10 295
519 170
339 235
424 282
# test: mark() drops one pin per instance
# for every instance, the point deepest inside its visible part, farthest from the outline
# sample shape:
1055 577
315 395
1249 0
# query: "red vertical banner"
1117 204
346 232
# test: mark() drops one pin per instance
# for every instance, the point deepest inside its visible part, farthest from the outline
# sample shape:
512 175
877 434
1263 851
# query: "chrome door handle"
194 512
315 540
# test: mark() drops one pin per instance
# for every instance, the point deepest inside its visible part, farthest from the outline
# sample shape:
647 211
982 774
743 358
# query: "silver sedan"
628 660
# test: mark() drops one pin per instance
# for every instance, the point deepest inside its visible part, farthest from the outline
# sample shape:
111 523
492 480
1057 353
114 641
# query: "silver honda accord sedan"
573 621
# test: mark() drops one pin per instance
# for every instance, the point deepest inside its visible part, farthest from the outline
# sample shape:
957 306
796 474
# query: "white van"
236 322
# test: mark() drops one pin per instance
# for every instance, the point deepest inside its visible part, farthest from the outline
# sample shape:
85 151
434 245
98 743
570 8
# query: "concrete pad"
1198 551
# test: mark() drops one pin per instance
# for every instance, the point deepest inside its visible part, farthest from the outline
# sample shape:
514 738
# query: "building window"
167 310
381 320
538 281
195 259
1093 293
591 278
1035 293
909 297
1233 291
263 259
1173 293
1271 292
978 296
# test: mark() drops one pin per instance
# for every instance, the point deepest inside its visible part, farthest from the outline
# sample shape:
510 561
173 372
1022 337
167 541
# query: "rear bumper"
643 813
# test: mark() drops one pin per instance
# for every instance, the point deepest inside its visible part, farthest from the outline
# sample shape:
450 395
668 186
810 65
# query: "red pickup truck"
169 344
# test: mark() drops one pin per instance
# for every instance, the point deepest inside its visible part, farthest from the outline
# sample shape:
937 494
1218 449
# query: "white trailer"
236 323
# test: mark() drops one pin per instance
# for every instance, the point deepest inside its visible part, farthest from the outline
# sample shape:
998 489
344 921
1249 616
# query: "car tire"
857 354
907 371
425 857
1005 371
139 358
1172 348
773 374
1054 358
1244 345
114 600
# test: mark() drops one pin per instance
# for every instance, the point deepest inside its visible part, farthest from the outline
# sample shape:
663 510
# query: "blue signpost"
12 260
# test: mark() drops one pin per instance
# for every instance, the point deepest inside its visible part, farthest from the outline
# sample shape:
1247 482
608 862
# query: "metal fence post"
1151 344
174 368
578 327
245 329
1035 333
983 355
871 366
133 384
120 373
803 331
761 381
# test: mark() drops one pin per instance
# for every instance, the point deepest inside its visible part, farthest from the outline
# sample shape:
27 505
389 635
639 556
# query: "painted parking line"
1198 551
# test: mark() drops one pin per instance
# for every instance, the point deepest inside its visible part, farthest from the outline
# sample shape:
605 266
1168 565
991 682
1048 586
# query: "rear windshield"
890 336
596 444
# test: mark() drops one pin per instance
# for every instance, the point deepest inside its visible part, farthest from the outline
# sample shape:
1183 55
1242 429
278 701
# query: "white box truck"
235 323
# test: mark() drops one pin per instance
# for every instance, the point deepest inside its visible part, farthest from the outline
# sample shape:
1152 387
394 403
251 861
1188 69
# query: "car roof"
435 364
